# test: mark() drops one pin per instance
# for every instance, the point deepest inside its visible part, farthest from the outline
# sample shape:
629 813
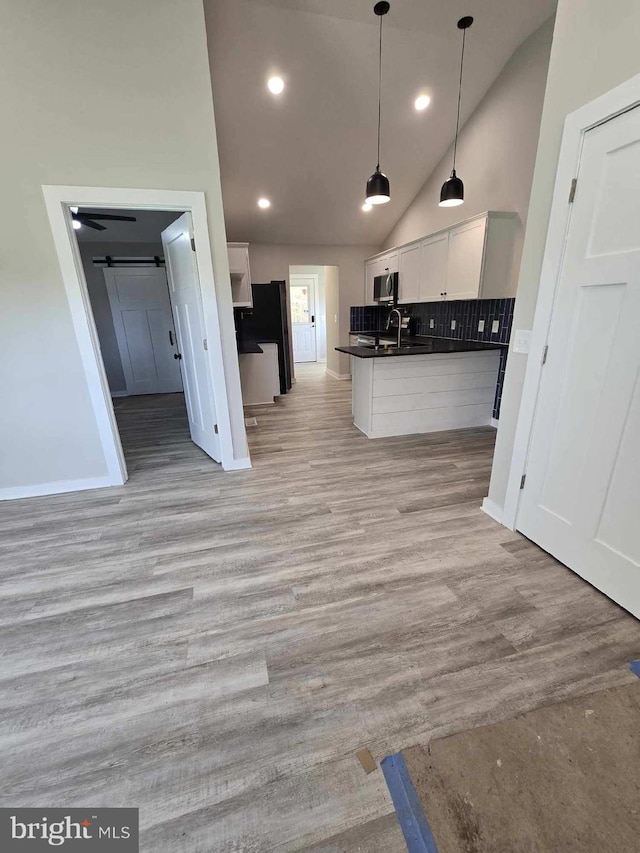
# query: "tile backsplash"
467 313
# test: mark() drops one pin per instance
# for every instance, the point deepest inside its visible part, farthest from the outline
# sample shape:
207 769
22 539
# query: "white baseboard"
119 393
56 488
341 376
494 422
237 464
492 510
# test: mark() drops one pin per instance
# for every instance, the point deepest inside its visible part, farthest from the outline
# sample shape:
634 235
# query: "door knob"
177 355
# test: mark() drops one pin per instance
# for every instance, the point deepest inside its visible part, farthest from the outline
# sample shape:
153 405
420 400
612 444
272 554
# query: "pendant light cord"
379 90
455 142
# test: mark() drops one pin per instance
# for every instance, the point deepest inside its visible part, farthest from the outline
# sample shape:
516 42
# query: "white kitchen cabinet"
409 271
433 267
241 293
464 264
378 265
370 272
470 260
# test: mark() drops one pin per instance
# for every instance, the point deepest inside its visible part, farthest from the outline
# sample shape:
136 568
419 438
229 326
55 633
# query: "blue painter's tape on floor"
411 818
634 666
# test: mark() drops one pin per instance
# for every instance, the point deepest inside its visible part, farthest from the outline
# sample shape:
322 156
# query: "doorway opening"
197 330
308 306
124 268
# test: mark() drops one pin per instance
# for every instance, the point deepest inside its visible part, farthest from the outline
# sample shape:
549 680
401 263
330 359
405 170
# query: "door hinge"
522 481
193 245
215 428
545 350
572 191
205 344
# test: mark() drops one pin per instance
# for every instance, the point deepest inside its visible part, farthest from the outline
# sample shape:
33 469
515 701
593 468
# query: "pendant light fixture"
378 183
452 192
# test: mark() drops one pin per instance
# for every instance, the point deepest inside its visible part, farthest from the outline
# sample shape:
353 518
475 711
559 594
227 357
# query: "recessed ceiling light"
264 203
73 209
367 207
275 85
422 102
77 224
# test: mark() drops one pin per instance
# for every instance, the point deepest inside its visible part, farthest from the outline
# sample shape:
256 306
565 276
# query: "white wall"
271 262
595 48
111 93
335 360
100 299
496 152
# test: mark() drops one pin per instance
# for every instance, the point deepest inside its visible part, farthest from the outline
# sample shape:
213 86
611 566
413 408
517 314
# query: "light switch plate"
481 325
453 325
432 323
522 340
495 327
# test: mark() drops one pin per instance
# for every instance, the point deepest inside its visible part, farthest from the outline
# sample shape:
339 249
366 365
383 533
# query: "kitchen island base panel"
423 393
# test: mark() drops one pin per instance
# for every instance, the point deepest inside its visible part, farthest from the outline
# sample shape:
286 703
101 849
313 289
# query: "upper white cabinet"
433 267
378 265
471 260
464 263
409 268
241 293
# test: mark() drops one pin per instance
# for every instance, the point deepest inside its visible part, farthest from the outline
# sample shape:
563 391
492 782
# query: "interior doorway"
307 300
198 306
151 336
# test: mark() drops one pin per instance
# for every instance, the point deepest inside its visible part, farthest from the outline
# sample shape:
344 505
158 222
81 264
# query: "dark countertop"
248 345
245 346
421 346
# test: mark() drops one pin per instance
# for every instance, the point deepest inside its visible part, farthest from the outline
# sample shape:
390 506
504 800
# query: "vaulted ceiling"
311 149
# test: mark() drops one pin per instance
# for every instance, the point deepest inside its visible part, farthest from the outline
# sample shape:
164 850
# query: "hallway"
214 648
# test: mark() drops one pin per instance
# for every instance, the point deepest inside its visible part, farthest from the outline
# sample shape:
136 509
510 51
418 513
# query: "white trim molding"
58 487
58 200
238 464
602 109
341 376
492 510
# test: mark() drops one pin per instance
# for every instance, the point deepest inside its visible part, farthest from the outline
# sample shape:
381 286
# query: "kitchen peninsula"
426 385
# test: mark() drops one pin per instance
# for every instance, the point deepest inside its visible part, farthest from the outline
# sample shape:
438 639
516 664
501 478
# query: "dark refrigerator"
268 321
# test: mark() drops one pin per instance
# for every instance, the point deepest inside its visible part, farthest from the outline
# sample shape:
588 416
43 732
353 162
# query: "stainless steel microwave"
385 287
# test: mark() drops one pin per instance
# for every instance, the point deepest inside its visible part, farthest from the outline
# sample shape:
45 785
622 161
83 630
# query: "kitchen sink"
391 346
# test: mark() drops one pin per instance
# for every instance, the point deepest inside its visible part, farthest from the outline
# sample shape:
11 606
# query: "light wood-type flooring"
214 648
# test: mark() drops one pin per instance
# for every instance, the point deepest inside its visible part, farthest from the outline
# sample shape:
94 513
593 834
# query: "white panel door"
141 311
466 253
581 499
409 268
433 273
184 288
302 290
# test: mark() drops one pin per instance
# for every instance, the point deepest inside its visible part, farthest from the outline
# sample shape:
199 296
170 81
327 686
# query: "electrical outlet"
453 325
432 323
481 325
495 327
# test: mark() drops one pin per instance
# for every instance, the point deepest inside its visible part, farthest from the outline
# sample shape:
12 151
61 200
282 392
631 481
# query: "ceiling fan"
88 219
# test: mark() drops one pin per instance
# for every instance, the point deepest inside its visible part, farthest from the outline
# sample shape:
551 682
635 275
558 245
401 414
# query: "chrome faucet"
399 313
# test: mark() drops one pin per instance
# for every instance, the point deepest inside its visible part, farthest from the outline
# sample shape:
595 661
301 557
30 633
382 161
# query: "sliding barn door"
141 311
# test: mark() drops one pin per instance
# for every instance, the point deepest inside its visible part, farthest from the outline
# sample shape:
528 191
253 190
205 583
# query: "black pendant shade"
452 192
378 188
378 184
